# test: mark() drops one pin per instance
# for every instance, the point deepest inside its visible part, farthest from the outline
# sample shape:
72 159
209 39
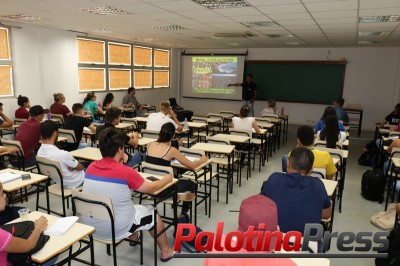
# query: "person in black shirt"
393 118
77 122
249 92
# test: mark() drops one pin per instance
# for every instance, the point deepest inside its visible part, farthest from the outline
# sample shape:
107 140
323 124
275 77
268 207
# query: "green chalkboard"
319 82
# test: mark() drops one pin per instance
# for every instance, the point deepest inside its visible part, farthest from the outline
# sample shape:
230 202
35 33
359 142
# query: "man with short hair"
28 135
72 170
77 122
130 100
5 122
300 198
113 117
119 181
249 92
156 120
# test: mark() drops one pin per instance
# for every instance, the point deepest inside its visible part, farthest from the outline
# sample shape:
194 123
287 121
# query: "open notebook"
61 226
7 177
192 159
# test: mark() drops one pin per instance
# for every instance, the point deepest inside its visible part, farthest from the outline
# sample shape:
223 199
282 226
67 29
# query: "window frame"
9 62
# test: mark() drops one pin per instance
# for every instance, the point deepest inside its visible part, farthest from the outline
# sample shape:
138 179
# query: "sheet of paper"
190 158
6 177
61 226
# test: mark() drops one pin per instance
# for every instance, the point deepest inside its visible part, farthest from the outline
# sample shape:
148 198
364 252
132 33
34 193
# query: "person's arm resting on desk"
173 117
6 121
153 186
187 163
134 139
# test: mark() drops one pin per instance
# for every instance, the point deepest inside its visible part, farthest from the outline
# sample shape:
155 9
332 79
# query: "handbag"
385 220
24 230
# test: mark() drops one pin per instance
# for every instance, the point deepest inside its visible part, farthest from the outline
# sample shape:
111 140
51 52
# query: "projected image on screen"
208 76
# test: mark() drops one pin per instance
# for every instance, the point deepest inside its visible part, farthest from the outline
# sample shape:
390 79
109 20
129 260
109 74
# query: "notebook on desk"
192 159
7 177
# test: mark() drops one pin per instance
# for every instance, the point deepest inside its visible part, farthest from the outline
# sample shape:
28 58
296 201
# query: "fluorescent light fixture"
177 44
294 43
233 44
255 24
280 35
144 39
214 4
378 19
367 42
373 33
99 31
169 27
22 17
105 11
208 38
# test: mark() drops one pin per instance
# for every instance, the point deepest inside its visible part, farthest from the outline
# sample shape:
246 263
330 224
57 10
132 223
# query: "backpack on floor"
393 258
373 185
369 157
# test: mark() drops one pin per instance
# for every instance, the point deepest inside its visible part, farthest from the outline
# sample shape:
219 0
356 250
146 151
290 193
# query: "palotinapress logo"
257 244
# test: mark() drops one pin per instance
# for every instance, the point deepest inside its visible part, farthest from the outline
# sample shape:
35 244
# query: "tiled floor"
355 215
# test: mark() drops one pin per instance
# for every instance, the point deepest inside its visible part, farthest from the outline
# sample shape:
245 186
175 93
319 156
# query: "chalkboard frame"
299 62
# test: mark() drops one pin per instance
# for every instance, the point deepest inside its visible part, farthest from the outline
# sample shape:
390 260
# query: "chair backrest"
93 206
395 153
13 143
215 140
227 112
191 152
262 120
335 153
199 119
318 172
322 143
50 168
215 115
156 169
67 133
240 132
270 115
59 118
172 102
152 134
19 121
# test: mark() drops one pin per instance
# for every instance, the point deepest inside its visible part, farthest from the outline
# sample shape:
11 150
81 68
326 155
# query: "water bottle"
282 111
185 124
48 116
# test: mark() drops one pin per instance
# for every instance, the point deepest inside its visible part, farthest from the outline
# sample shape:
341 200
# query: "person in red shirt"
58 106
28 135
23 111
5 122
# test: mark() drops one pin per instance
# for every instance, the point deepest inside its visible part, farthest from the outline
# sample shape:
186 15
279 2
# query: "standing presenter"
249 92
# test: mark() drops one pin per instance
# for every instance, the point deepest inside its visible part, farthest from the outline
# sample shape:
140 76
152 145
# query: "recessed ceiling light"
367 42
169 27
212 4
208 38
233 44
373 33
22 17
378 19
280 35
105 11
254 24
294 43
99 31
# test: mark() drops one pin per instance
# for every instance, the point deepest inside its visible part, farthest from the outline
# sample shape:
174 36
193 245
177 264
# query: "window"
6 65
106 65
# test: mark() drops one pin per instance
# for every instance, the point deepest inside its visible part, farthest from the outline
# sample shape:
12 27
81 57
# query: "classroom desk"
198 126
226 119
221 149
18 184
141 122
355 109
195 175
232 138
330 186
285 119
57 244
9 130
157 200
88 153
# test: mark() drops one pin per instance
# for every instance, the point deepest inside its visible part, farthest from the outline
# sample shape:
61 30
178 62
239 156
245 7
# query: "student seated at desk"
393 118
162 153
119 181
58 106
5 122
113 117
91 107
23 111
130 100
340 112
108 100
77 122
11 244
329 110
71 168
270 109
330 132
244 121
301 199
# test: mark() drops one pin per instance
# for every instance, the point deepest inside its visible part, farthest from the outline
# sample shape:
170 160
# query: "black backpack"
373 185
369 157
393 258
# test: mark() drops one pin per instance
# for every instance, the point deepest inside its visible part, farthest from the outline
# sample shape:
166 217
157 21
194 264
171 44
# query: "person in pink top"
11 244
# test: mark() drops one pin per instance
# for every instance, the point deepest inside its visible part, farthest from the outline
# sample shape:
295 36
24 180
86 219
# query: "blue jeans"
388 178
251 106
136 158
84 145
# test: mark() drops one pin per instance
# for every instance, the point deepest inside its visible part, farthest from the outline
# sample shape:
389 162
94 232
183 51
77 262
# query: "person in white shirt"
244 121
71 168
156 120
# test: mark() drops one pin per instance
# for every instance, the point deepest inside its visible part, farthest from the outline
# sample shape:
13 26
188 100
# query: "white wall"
46 62
372 79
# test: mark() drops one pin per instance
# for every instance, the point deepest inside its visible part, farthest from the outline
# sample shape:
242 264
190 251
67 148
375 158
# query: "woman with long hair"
108 100
329 110
330 132
90 105
244 121
162 153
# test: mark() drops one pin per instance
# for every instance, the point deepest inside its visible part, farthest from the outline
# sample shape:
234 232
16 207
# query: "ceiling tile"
244 11
179 5
366 4
282 9
290 16
335 14
330 6
380 11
